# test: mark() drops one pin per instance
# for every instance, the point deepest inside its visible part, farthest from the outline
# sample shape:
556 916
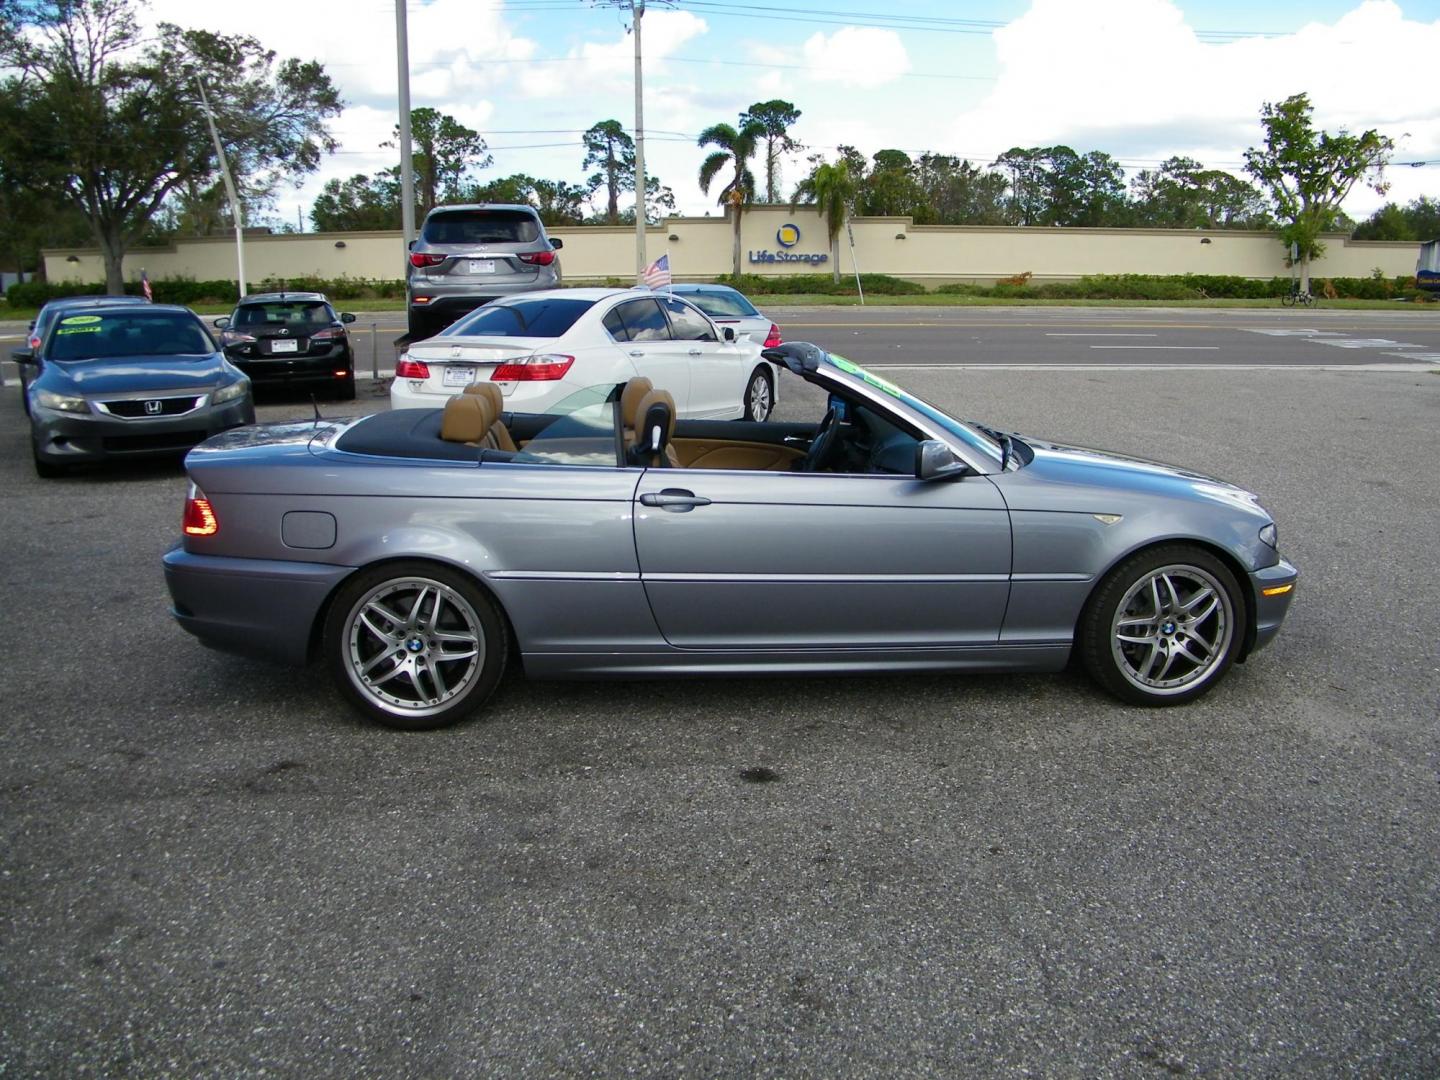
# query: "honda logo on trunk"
152 408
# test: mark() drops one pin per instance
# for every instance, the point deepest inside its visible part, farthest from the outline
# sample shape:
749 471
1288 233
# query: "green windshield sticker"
874 380
80 320
78 330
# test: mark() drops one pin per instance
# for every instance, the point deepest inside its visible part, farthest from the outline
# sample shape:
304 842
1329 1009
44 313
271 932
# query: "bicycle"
1297 295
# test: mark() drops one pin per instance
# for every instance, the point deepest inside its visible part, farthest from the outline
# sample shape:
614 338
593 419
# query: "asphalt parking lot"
212 868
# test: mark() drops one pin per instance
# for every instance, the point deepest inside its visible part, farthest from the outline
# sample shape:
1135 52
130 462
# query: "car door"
717 382
642 333
764 560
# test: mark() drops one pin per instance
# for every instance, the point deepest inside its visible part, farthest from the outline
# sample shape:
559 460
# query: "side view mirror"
346 317
934 460
22 356
556 243
32 325
728 333
222 322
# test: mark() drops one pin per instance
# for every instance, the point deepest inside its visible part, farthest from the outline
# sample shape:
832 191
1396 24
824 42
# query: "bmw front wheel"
1164 626
414 645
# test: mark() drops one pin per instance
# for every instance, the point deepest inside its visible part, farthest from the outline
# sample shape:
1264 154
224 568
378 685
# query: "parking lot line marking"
1116 334
1189 347
1382 368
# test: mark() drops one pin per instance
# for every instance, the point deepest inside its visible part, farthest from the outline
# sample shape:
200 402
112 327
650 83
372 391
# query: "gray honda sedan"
415 551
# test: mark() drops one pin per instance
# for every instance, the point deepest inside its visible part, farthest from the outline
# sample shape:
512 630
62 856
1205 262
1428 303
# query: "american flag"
145 287
658 273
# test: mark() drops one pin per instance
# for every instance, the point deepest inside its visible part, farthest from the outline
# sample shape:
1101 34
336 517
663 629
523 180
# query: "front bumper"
66 438
263 608
1270 611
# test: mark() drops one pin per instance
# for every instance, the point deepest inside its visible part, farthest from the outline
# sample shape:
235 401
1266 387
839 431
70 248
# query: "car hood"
137 373
1081 469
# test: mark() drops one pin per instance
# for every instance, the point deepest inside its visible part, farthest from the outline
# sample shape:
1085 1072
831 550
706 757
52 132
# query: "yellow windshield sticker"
80 320
874 380
77 330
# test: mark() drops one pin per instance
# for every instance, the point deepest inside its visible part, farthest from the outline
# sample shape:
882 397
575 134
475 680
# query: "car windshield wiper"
1007 447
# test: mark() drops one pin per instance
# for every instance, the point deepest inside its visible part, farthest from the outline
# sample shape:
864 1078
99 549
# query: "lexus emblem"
152 408
284 332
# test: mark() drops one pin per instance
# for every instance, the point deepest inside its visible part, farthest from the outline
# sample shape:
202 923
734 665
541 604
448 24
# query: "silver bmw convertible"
416 551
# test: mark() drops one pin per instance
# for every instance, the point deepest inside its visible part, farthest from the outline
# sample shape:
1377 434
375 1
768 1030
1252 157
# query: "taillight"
538 258
34 343
199 519
773 338
235 337
420 259
543 368
405 368
333 334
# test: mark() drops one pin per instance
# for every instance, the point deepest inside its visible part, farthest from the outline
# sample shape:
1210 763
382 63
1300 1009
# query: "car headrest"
630 397
466 419
491 393
656 410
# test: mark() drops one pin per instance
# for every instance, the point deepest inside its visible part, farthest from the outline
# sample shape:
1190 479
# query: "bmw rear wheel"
1164 626
414 645
759 396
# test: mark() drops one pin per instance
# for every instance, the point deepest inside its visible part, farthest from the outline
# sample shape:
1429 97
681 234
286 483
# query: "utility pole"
407 159
638 7
236 215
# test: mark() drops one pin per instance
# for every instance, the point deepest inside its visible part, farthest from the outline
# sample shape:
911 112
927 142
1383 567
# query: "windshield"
979 440
548 318
275 314
482 227
128 333
720 305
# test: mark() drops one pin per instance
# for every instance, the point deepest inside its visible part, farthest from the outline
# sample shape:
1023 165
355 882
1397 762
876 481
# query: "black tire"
1287 300
759 396
399 600
1176 625
346 389
418 326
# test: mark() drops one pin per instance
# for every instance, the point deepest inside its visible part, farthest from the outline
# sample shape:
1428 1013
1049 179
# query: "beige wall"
701 248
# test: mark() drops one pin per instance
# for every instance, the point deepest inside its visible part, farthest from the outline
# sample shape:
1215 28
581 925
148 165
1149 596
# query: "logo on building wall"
787 236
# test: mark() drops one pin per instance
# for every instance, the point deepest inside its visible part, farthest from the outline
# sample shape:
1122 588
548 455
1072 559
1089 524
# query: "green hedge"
1185 287
822 284
32 294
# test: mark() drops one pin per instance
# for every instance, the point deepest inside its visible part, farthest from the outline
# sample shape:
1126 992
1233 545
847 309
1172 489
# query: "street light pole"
638 7
236 215
407 160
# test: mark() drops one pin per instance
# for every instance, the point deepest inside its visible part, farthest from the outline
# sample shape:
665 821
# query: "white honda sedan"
542 346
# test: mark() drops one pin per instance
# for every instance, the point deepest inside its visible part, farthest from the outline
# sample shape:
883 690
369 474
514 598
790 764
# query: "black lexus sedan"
291 339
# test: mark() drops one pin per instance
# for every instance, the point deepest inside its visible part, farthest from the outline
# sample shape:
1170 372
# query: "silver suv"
466 256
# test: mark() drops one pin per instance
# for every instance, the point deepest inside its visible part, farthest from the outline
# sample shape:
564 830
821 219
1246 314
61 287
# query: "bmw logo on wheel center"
787 236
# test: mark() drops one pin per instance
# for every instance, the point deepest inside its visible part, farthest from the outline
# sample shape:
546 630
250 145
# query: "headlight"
1270 535
63 402
229 393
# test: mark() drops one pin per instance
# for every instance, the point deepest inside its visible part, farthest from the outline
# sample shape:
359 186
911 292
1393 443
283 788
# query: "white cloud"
606 64
856 56
1130 77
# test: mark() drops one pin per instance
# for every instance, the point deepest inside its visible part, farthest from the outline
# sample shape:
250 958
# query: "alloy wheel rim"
413 645
1172 630
759 398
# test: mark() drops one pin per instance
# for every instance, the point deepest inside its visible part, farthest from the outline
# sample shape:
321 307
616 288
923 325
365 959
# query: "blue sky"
1140 79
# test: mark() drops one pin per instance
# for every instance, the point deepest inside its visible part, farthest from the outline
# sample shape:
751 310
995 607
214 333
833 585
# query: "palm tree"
736 148
832 188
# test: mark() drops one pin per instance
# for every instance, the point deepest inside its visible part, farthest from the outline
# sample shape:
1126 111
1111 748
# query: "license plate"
458 376
482 266
278 345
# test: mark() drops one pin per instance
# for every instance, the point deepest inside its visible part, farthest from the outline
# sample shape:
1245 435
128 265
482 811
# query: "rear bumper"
1270 611
283 370
263 608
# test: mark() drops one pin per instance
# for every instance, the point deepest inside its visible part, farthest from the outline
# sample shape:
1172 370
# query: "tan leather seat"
656 410
466 420
630 397
490 394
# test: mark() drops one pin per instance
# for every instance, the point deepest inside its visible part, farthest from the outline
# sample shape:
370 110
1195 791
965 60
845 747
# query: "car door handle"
697 352
676 500
637 352
797 440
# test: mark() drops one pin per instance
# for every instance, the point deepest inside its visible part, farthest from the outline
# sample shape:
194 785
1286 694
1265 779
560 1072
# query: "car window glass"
583 435
720 305
482 227
686 323
615 325
548 318
125 334
644 320
287 313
